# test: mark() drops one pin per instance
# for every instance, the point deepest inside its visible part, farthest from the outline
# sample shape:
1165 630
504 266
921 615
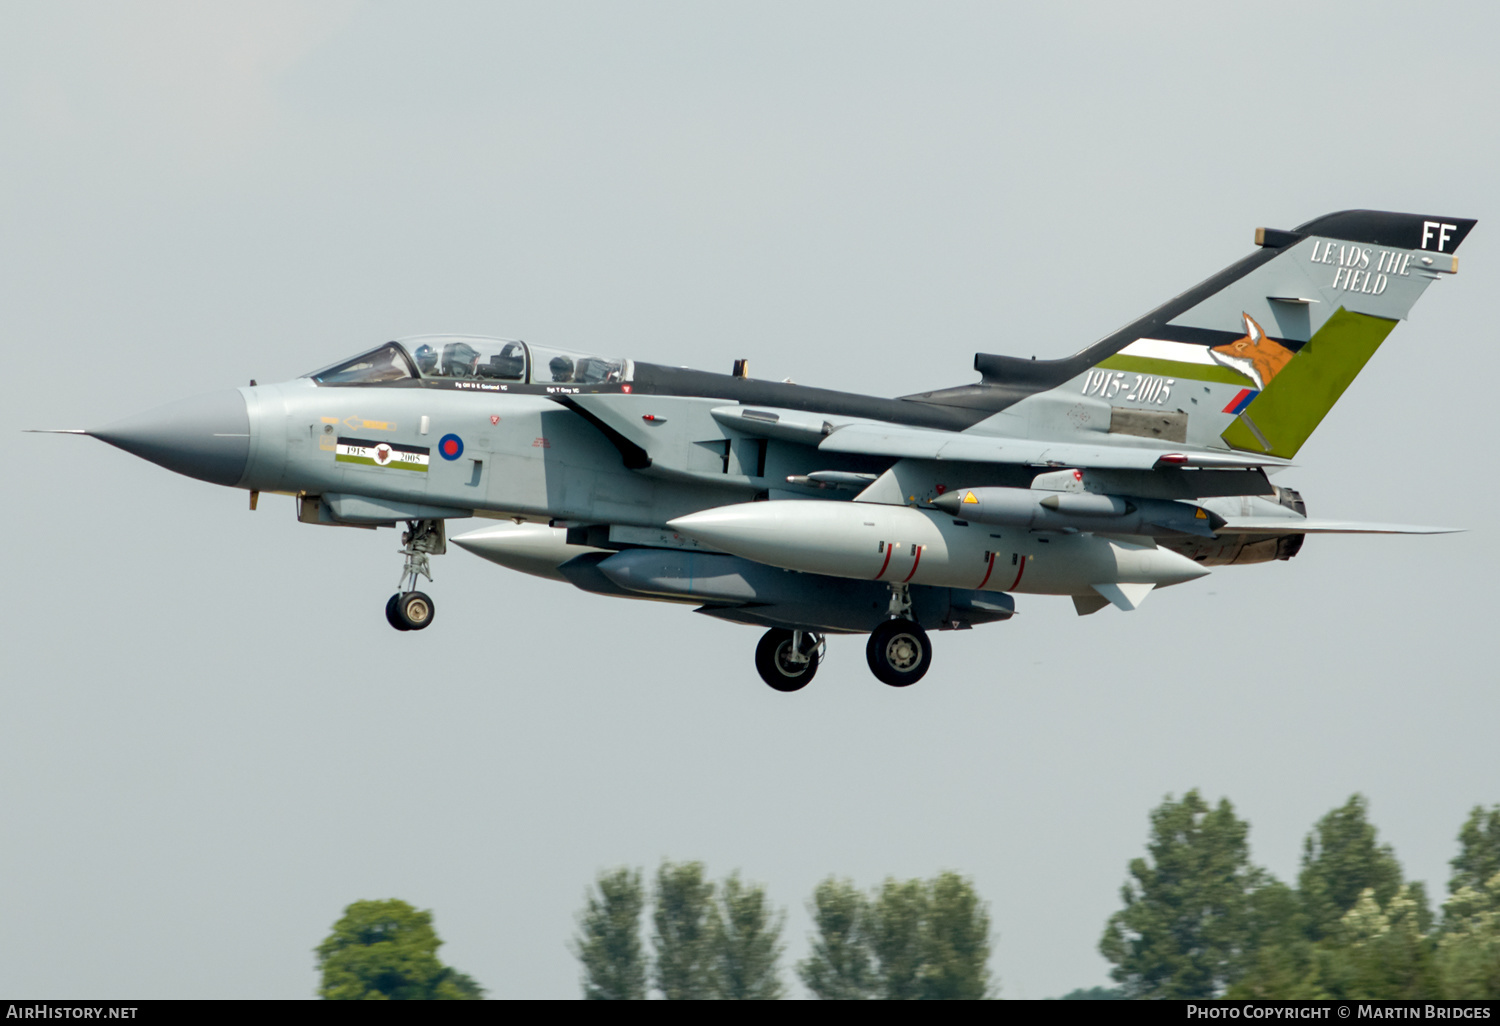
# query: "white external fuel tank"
534 549
906 545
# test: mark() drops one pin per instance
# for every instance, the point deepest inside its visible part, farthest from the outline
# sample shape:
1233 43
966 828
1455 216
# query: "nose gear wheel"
415 610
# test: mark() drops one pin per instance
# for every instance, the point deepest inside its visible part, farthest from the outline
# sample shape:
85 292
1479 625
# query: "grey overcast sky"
210 740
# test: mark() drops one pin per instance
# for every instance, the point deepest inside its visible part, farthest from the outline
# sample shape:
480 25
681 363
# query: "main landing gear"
898 651
410 609
787 660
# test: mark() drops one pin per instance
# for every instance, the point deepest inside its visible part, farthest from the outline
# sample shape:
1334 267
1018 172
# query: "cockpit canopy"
475 357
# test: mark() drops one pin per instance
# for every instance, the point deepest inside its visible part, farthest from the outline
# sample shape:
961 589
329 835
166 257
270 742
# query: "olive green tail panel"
1295 401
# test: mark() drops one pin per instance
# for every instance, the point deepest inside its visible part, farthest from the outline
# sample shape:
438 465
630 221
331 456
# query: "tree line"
904 939
1200 921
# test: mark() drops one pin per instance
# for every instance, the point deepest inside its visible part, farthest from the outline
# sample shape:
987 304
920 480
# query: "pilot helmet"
426 358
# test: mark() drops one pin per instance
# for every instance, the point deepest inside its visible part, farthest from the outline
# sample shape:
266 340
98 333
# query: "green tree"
1478 858
930 940
1352 929
609 940
839 969
1340 861
685 922
387 951
1467 959
1380 952
956 941
746 944
1183 930
1281 962
895 934
457 986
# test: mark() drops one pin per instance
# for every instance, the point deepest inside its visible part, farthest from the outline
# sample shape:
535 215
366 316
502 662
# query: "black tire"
770 659
391 617
899 653
415 610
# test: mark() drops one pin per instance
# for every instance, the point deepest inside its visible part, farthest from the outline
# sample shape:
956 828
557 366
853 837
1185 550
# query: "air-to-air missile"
1038 510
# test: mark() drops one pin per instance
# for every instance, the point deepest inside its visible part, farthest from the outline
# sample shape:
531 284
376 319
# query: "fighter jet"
1143 461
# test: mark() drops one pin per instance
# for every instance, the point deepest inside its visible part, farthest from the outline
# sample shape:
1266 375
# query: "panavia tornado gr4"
1140 462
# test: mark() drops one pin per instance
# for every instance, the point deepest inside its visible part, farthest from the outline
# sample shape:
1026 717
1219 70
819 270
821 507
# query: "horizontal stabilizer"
1288 525
1122 596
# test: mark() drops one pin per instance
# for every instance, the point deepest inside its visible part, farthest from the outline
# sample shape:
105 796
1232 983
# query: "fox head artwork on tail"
1255 356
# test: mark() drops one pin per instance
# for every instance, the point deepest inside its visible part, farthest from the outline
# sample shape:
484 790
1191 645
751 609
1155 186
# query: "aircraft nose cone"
207 436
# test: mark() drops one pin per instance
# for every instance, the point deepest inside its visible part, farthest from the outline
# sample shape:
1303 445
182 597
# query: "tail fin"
1254 357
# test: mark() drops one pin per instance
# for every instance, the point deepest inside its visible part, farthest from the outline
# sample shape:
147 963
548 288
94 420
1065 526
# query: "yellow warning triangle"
969 497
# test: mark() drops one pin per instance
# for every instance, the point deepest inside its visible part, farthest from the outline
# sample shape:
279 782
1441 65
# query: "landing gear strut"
787 660
410 609
898 651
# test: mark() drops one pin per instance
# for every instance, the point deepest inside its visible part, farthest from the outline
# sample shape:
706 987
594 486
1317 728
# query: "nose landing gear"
410 609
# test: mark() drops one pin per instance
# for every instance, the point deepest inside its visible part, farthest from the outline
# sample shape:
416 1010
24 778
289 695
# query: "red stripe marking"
988 570
1018 575
914 563
886 563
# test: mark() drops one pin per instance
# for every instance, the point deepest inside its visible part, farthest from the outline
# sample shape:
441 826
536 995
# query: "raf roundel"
451 447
